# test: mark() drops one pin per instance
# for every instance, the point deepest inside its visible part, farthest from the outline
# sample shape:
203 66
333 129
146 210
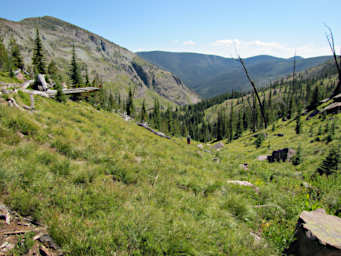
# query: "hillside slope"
103 185
111 63
211 75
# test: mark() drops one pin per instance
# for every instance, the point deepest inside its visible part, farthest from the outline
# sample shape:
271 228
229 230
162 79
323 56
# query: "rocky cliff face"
109 61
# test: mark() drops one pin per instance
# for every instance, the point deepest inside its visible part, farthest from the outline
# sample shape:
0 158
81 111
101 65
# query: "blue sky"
218 27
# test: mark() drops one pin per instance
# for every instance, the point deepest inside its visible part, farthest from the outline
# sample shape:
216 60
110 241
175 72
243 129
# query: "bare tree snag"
330 39
255 90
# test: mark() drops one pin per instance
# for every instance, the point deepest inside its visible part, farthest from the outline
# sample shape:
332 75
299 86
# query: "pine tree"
16 58
231 123
52 69
331 133
87 81
330 165
75 76
239 128
298 158
38 60
245 120
130 104
156 114
298 127
4 62
60 96
143 114
315 100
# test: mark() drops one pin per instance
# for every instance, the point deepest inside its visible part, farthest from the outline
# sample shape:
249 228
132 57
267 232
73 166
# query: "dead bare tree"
330 39
255 90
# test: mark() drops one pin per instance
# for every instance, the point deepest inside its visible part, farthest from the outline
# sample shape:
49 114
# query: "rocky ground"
23 236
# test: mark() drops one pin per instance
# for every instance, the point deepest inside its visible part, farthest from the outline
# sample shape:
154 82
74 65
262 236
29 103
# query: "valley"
104 153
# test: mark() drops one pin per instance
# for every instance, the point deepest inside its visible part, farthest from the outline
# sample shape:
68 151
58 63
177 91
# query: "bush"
259 140
297 159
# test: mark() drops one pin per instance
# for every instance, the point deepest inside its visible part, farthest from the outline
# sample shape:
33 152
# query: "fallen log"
153 131
17 232
27 84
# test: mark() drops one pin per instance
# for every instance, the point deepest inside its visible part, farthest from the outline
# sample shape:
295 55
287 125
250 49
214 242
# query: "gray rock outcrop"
284 155
317 234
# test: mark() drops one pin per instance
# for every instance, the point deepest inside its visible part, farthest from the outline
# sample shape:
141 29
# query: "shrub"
259 140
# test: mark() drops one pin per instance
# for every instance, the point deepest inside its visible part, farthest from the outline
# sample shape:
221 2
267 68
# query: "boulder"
317 234
262 157
5 214
48 241
284 155
243 183
219 145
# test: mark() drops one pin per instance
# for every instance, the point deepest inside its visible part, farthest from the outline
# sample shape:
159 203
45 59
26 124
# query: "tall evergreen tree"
143 113
231 123
315 100
38 59
298 127
130 104
87 81
156 114
52 70
331 164
3 56
16 58
75 75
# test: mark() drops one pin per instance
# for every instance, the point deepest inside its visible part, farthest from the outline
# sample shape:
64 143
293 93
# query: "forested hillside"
100 60
211 75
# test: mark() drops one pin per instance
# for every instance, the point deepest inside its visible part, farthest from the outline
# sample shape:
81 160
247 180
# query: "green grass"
4 77
103 185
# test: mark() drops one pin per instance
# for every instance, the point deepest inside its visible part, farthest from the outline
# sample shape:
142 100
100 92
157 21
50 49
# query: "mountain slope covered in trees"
211 75
105 61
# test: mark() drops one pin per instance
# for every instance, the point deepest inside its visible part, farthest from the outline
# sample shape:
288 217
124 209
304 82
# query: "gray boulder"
317 234
284 155
218 146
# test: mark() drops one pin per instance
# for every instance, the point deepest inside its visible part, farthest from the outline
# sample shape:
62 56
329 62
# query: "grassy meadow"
105 186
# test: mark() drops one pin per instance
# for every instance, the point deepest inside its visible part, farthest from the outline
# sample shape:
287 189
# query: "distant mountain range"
114 65
211 75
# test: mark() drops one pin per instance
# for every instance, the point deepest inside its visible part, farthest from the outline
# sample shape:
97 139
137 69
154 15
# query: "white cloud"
190 42
232 47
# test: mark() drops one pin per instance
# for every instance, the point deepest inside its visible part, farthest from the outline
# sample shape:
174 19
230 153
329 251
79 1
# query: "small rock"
219 145
256 237
244 166
306 185
44 251
216 159
200 146
4 214
6 246
48 241
262 157
243 183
